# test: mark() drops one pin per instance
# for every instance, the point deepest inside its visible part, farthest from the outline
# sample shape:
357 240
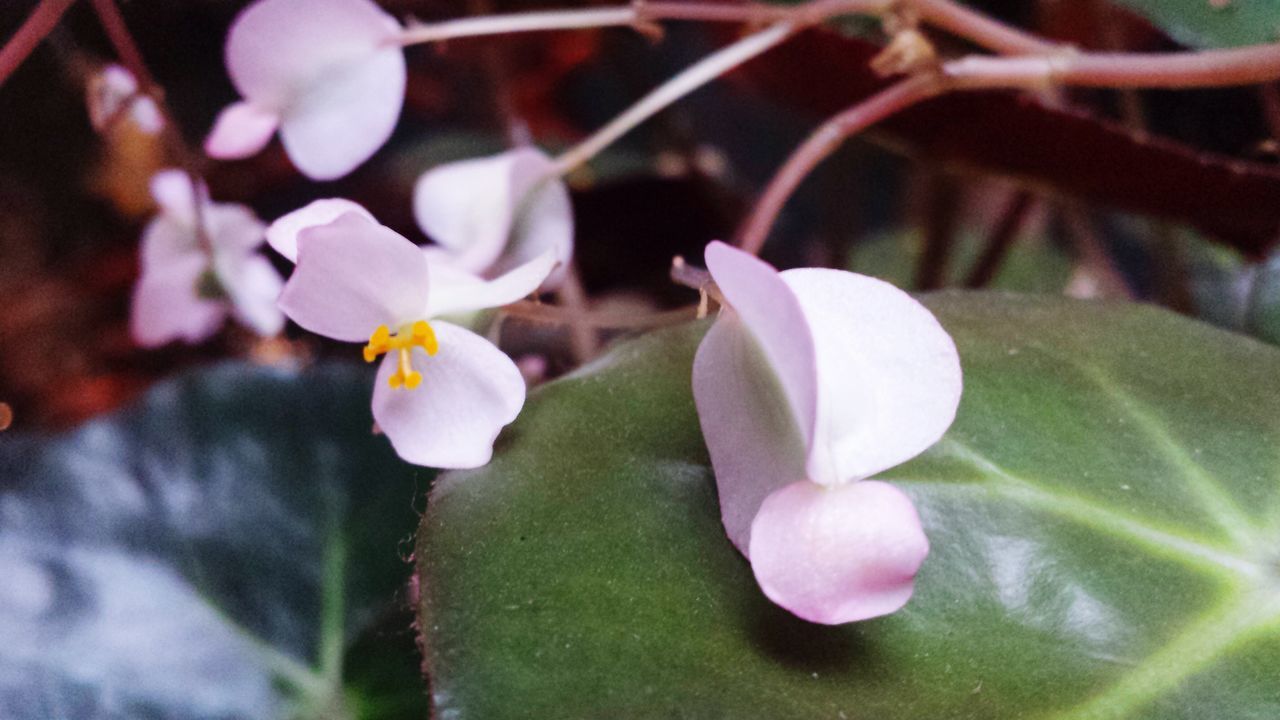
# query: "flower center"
403 342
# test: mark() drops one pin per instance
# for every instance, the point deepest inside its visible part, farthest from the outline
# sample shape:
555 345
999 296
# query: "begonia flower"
328 74
113 93
442 393
488 215
189 284
809 382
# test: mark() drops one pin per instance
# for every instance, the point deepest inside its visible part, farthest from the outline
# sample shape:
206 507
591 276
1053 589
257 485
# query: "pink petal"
888 375
283 233
331 69
454 291
166 240
166 306
253 286
173 192
354 275
837 554
233 227
755 443
470 390
242 129
475 210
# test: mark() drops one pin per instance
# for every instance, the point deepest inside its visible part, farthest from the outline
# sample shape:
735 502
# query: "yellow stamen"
419 334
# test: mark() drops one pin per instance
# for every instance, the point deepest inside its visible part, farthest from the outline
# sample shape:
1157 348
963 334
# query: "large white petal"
470 390
546 224
166 306
354 275
888 375
836 554
755 443
772 314
342 120
277 49
241 129
455 291
253 286
283 233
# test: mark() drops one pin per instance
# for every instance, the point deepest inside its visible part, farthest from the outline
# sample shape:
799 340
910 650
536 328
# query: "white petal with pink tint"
354 275
254 287
241 129
837 554
889 374
492 214
470 390
166 306
755 443
331 70
282 235
173 191
455 291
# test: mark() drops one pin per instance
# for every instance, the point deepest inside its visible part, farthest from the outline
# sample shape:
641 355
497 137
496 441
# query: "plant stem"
1011 220
35 28
685 82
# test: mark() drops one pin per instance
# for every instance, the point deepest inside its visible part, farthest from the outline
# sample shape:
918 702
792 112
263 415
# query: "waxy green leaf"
1213 23
1104 518
233 547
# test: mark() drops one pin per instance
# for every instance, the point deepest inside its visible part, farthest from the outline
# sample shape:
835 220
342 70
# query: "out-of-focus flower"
491 214
443 393
113 95
189 283
328 74
809 382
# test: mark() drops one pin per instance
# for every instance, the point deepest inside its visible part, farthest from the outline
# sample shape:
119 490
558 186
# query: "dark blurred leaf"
1230 199
220 550
1103 517
1031 265
1213 23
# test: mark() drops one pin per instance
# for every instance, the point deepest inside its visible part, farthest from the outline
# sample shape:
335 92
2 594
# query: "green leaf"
231 547
1104 518
1213 23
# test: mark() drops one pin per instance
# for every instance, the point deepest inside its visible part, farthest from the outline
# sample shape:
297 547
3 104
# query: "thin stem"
34 29
829 136
518 23
978 28
1011 220
685 82
942 208
573 296
530 311
122 40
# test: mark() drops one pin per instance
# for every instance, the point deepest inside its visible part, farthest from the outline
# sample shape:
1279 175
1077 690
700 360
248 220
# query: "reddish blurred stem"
942 211
36 28
122 40
1005 232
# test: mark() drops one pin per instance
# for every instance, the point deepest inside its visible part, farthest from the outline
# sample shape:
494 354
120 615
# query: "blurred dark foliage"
73 202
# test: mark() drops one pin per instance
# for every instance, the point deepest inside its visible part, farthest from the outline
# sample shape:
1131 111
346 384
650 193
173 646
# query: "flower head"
113 93
328 74
491 214
809 382
189 284
443 393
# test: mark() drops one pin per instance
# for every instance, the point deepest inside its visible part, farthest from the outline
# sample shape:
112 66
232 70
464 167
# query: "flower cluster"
809 383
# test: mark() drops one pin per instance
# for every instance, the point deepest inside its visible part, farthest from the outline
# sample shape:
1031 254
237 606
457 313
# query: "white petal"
277 49
455 291
233 227
254 287
241 129
352 276
165 241
469 391
474 208
837 554
173 192
755 443
342 121
772 314
166 306
888 374
283 233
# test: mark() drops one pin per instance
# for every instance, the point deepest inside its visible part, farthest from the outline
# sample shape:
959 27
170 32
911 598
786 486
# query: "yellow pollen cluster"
382 341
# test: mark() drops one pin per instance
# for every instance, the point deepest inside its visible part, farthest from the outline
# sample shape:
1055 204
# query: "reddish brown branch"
33 30
1011 221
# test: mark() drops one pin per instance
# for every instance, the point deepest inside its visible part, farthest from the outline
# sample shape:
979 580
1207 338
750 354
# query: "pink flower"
113 93
443 393
328 74
188 286
491 214
810 382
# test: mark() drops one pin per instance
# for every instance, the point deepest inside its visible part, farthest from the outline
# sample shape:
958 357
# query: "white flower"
113 92
443 393
188 285
491 214
809 382
329 74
